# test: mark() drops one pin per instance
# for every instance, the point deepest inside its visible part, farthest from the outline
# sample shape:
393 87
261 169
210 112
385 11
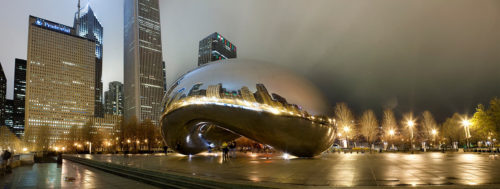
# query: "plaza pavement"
68 175
446 170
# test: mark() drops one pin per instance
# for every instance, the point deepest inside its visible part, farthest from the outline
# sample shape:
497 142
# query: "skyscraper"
114 98
215 47
19 96
87 25
164 78
143 77
3 93
60 79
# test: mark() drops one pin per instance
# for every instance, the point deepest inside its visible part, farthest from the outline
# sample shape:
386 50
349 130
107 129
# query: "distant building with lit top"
215 47
87 25
60 75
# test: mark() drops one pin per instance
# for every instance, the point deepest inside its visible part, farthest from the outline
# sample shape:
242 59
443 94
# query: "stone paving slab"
448 170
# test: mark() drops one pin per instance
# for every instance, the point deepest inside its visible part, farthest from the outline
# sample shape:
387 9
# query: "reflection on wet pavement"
67 175
386 169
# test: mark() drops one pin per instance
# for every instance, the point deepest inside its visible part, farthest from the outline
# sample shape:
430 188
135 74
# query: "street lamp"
410 124
466 123
434 133
346 129
391 133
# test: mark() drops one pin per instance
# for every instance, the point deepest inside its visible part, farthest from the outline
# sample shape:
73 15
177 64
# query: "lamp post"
391 133
434 132
346 129
466 123
411 123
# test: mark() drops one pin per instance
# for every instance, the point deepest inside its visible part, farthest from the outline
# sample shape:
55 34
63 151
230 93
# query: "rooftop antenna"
78 18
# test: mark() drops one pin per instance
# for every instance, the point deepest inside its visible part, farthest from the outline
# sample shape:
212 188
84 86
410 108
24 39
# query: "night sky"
439 55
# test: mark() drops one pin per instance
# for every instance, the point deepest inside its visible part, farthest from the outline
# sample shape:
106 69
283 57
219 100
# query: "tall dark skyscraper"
3 93
87 25
143 75
164 78
215 47
19 96
114 98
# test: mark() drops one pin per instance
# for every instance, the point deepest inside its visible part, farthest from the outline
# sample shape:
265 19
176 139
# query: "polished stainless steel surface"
224 100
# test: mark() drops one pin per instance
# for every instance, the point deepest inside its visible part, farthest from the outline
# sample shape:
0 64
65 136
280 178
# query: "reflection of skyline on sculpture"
224 100
259 100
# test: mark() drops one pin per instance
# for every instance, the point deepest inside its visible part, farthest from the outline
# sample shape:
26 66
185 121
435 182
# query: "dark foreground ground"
455 170
67 175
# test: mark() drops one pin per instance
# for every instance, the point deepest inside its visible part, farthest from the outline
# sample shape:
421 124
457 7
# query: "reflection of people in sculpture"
225 150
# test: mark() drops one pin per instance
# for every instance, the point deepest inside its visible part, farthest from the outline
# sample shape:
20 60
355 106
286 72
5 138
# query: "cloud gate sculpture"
224 100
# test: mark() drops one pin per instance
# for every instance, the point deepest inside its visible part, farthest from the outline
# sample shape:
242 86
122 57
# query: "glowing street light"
466 123
410 124
434 133
346 130
391 133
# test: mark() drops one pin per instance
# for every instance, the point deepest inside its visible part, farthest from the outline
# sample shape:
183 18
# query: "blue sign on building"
51 26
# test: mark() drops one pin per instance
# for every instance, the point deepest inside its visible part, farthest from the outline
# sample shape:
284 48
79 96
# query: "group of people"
6 156
228 149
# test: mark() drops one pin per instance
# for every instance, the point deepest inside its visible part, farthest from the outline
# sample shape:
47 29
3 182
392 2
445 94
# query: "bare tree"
427 127
369 126
389 126
344 120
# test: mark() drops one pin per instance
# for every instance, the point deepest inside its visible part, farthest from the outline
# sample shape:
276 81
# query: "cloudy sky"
439 55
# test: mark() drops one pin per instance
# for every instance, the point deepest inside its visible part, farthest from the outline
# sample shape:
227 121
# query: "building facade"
60 87
215 47
114 98
87 25
9 114
19 96
3 95
107 126
143 75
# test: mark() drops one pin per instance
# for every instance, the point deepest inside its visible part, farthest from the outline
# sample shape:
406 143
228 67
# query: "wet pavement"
339 170
67 175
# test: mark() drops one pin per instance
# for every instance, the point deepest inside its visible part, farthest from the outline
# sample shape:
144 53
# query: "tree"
369 126
344 119
42 138
88 134
452 129
486 122
389 126
73 137
343 116
426 127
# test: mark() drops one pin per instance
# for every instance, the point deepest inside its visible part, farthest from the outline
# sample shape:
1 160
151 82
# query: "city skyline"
403 62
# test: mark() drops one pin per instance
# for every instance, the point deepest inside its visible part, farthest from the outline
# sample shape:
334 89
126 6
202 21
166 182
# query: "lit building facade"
19 96
3 94
87 25
107 126
215 47
60 80
9 114
114 98
143 73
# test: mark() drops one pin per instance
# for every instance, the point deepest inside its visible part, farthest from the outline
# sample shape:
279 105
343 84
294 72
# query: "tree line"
482 127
